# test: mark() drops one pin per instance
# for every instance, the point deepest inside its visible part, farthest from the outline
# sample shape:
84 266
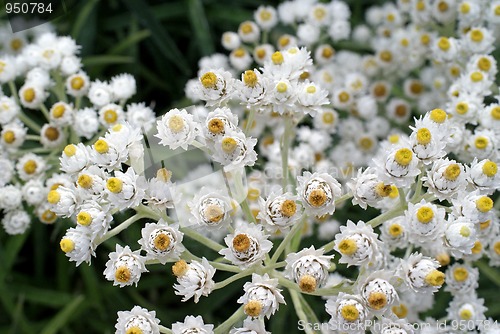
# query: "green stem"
227 281
225 327
13 91
343 198
286 240
240 193
29 122
202 239
119 228
33 137
78 102
249 121
59 88
164 330
45 112
300 311
394 212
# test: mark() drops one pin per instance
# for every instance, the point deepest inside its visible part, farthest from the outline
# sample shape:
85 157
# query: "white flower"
10 197
96 217
77 84
9 70
61 114
279 212
218 122
252 88
266 17
159 190
214 87
262 296
420 273
137 320
247 246
426 222
308 268
249 32
194 279
210 208
378 293
108 154
445 179
77 245
100 93
240 59
90 183
7 168
140 116
367 188
474 206
176 129
111 114
124 267
123 86
192 325
460 236
74 158
348 313
317 193
234 150
16 221
34 192
483 175
427 142
466 308
311 97
388 325
30 166
13 135
358 245
125 190
9 109
161 241
461 279
394 232
483 144
230 40
86 123
251 326
32 96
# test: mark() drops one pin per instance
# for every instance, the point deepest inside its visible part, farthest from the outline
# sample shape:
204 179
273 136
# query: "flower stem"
285 146
119 228
233 278
29 122
226 325
202 239
300 311
343 198
286 240
164 329
249 121
45 112
394 212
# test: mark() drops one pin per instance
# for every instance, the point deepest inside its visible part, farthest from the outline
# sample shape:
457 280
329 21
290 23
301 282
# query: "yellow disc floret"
162 242
484 204
180 268
438 115
347 246
461 108
53 197
490 168
228 145
250 78
349 313
424 136
30 167
395 230
58 111
377 300
307 283
435 278
288 208
85 181
114 184
9 136
460 274
241 242
209 80
253 308
444 44
317 198
476 35
176 123
29 95
70 150
123 274
277 58
281 87
77 83
403 156
84 218
101 146
452 172
465 314
425 214
67 245
476 76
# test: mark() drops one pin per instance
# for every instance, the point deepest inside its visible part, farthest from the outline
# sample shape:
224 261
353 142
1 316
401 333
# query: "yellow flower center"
490 168
51 133
349 313
443 259
484 225
403 156
484 204
246 28
344 97
484 64
435 278
461 108
465 231
123 274
481 142
48 217
442 6
495 113
58 111
253 194
393 139
311 89
288 208
134 330
9 136
386 56
253 308
180 268
307 283
241 242
394 192
478 247
70 150
281 87
476 76
110 116
464 8
277 58
366 143
455 71
382 189
425 39
84 218
401 311
176 123
250 78
347 246
114 184
377 300
215 126
209 80
85 181
228 145
213 213
496 247
163 174
29 95
380 90
16 44
77 83
239 53
424 136
395 230
162 241
425 214
265 15
30 167
460 274
327 52
444 44
452 172
497 10
283 41
438 115
476 35
317 198
465 314
101 146
67 245
328 118
401 110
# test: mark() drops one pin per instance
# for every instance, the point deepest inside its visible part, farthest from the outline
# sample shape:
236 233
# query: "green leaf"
82 18
201 28
9 255
42 296
106 60
489 272
162 40
63 317
129 41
